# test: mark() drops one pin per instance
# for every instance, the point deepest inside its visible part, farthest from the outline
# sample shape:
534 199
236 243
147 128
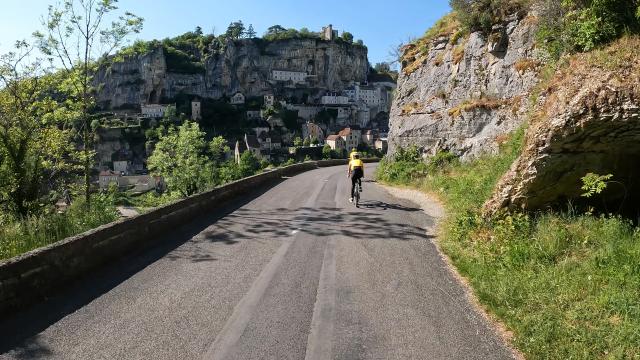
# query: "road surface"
291 272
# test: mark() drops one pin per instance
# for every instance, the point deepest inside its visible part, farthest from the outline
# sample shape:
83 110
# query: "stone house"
108 177
311 131
237 99
196 110
334 99
269 100
121 167
382 145
155 111
296 77
337 143
369 137
352 137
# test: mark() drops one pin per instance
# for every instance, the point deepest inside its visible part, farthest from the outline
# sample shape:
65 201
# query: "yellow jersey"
356 163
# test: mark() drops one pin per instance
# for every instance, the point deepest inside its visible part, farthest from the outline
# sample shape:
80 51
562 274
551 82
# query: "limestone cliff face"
589 122
466 93
243 65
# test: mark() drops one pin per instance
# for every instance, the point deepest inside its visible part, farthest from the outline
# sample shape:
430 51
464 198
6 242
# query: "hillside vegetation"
564 26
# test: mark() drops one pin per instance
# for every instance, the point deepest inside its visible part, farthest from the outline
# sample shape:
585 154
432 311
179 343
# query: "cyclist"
352 153
356 173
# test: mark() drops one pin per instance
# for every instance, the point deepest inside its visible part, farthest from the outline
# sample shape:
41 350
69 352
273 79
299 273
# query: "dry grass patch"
410 108
458 54
413 54
482 103
524 65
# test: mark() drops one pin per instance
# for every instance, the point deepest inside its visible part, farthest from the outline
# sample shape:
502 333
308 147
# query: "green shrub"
18 236
582 25
481 15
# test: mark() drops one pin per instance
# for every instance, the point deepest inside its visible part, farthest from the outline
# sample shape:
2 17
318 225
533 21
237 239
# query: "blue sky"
380 24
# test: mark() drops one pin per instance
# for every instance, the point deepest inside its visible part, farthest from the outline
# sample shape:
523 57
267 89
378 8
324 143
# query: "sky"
381 24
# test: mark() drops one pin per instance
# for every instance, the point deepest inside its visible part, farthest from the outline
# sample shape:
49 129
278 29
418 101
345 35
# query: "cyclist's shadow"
380 205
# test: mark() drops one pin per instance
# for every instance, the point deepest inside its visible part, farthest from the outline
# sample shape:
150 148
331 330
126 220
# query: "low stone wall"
33 276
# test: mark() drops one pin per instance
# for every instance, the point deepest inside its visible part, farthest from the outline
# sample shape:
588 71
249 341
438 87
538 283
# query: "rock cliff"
239 66
463 94
588 123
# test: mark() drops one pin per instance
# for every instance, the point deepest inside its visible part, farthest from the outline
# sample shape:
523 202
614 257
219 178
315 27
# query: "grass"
415 54
566 284
524 65
487 103
23 235
410 108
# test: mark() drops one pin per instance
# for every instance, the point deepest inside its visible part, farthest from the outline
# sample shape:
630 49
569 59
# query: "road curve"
290 272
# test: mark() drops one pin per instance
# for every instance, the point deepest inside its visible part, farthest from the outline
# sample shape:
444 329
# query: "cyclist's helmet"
356 156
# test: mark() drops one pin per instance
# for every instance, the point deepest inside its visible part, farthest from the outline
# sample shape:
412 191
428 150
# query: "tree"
276 29
249 164
36 149
235 30
315 141
382 67
180 158
251 33
198 31
326 152
306 142
297 142
347 36
360 42
218 148
76 34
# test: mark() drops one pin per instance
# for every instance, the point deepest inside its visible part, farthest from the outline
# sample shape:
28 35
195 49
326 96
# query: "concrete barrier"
33 276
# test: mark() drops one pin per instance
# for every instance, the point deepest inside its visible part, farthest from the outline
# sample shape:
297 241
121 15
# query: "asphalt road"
291 272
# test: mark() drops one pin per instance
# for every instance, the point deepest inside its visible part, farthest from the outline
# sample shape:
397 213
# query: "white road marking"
227 339
319 343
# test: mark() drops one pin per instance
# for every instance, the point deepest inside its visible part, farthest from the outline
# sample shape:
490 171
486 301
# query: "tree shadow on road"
230 225
19 333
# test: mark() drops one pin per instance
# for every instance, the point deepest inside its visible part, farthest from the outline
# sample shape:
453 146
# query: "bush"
481 15
22 235
582 25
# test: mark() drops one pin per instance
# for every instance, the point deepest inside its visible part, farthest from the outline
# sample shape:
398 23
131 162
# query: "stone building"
196 110
237 99
336 142
382 145
297 77
352 137
328 33
153 110
312 131
334 99
269 100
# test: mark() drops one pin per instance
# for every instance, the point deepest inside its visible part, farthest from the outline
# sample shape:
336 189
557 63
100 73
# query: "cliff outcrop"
588 123
244 66
463 94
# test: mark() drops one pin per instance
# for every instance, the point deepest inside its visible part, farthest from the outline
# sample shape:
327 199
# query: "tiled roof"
333 137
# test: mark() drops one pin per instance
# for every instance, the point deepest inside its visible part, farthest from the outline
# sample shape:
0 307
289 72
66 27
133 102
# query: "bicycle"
356 196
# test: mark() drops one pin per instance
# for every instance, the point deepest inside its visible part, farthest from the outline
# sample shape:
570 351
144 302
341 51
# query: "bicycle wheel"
357 196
